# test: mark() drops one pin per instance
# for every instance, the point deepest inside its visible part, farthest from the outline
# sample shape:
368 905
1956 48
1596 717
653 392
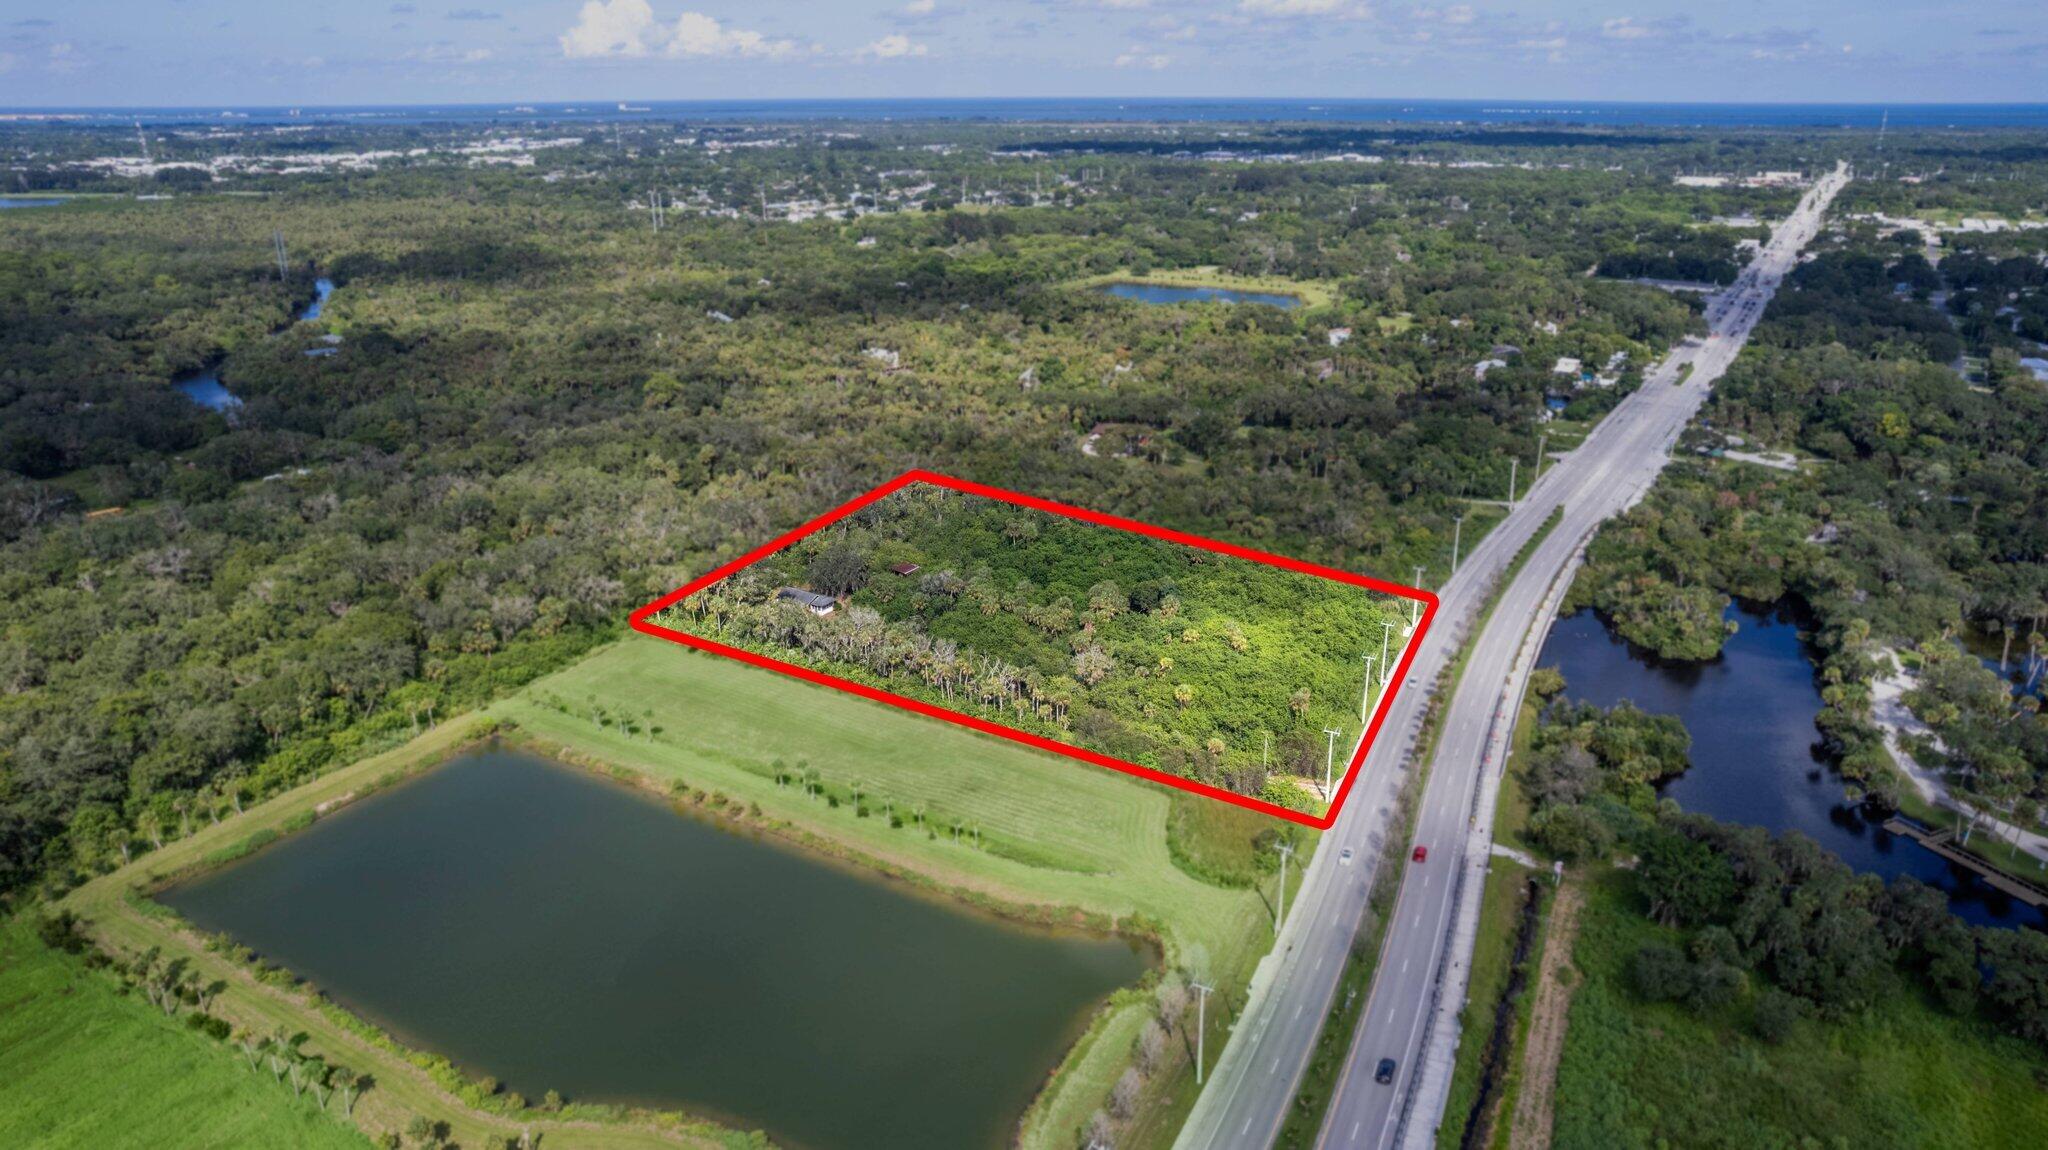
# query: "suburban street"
1253 1085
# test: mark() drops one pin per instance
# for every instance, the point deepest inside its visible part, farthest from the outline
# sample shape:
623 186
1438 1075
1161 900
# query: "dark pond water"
17 202
1170 293
1755 752
562 932
206 390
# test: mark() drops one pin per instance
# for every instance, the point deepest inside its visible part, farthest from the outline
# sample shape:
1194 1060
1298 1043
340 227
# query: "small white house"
1566 365
1339 336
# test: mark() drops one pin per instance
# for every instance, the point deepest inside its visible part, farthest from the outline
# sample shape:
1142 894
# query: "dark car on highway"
1385 1073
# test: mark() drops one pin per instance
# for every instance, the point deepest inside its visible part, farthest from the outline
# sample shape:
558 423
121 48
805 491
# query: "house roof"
904 568
807 598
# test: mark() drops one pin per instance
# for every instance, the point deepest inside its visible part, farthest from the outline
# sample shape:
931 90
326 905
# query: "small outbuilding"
904 568
816 604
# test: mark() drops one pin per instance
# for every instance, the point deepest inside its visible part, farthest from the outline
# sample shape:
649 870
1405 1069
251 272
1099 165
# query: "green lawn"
1901 1074
82 1065
1311 293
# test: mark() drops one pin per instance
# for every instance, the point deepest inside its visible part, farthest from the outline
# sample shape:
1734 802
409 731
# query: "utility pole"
1367 692
1457 534
277 239
1512 465
1415 605
1329 763
1201 1025
1384 636
1542 439
1266 752
1280 908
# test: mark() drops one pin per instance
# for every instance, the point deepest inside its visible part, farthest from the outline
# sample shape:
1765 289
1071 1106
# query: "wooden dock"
1941 843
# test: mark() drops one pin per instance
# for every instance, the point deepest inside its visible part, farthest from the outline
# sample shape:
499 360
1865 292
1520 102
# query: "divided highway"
1253 1085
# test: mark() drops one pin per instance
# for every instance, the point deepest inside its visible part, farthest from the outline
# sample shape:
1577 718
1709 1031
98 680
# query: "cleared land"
83 1065
1311 293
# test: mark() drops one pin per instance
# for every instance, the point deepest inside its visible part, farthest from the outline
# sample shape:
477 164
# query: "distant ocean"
1553 112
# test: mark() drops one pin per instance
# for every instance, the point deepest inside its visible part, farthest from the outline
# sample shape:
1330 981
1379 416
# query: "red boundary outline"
640 620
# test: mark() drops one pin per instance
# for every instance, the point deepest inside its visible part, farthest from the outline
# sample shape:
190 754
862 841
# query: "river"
1756 756
561 931
205 388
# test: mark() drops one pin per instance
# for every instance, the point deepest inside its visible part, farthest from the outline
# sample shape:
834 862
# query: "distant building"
816 604
1339 336
904 569
1480 369
1566 365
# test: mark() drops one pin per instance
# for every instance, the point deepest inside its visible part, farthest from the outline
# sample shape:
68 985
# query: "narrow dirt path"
1547 1016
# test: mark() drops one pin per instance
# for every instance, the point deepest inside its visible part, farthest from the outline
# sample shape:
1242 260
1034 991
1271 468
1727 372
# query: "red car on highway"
1421 854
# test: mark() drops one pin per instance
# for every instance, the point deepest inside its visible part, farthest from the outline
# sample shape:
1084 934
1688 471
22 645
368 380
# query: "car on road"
1421 854
1385 1073
1344 857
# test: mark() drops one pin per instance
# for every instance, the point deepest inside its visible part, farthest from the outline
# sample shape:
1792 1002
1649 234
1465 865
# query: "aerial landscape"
612 575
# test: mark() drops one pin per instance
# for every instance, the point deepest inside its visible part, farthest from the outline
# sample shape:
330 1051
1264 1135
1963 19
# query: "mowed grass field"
82 1065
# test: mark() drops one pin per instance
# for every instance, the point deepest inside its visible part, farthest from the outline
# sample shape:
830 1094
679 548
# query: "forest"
1204 665
1916 521
538 410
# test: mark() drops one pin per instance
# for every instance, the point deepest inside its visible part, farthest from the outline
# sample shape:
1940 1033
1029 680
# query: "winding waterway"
1756 756
205 388
560 931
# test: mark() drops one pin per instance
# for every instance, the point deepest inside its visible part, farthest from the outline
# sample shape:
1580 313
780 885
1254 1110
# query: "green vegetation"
1203 665
1897 1071
87 1062
1741 991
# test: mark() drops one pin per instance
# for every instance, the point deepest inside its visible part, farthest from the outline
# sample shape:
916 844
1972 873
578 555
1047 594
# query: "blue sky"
206 52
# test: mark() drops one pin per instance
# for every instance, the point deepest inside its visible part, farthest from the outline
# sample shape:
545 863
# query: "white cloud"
699 35
1624 28
610 28
1123 3
919 8
1137 57
894 46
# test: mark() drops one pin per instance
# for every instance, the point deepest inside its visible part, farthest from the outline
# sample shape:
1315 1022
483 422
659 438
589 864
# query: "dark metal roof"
807 598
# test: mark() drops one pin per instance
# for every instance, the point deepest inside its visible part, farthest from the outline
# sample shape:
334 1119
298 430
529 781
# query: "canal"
560 931
1756 756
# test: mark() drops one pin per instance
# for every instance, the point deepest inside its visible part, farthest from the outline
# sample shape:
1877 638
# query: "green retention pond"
563 932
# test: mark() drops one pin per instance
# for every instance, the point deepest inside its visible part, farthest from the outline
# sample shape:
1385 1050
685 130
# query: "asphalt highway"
1252 1087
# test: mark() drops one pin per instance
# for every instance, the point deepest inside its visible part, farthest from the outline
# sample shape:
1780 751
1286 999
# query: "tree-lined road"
1254 1083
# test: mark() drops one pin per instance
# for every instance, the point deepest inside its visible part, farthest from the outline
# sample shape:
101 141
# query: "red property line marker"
641 620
